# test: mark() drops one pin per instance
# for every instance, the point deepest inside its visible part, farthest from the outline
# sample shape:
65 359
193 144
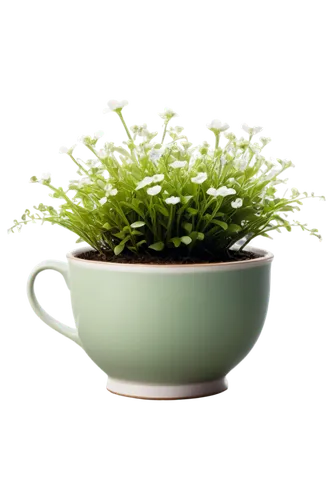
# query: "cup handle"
62 268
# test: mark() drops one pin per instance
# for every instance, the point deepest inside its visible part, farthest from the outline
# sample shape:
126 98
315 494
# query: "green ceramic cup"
163 331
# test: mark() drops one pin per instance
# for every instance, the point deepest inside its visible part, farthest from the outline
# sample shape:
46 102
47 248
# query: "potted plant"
168 297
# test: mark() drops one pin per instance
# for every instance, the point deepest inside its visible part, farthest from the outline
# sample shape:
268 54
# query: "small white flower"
221 191
225 191
217 126
158 178
158 152
237 203
154 190
119 102
140 130
252 126
173 200
155 154
108 188
241 164
200 178
110 191
176 130
98 134
45 177
145 182
103 200
212 192
178 164
64 144
223 161
168 110
102 152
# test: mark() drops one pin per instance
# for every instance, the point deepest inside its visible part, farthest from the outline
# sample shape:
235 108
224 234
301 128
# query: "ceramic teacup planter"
169 297
163 332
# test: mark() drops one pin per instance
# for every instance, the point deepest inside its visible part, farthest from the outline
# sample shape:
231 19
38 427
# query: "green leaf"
118 249
186 199
176 241
187 226
136 202
192 211
186 240
134 208
125 240
120 235
162 210
220 223
244 214
158 247
137 224
234 228
142 242
107 226
249 172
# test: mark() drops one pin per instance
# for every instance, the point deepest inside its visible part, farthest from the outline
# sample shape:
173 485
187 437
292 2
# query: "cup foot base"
156 391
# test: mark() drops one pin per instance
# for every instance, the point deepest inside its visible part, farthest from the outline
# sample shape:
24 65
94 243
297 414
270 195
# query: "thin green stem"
165 131
169 227
125 126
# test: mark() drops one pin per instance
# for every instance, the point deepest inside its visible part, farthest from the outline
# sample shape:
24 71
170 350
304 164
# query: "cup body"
171 325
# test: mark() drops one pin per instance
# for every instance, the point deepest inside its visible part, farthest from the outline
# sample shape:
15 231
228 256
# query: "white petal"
222 191
178 164
103 200
200 178
98 134
169 110
158 178
119 102
252 126
154 190
237 203
212 191
63 144
145 182
217 125
173 200
45 177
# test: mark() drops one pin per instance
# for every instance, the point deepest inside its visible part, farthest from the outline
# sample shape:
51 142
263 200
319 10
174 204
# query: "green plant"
175 198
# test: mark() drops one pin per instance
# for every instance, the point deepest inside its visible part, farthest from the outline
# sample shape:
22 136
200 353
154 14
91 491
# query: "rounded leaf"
137 224
221 223
234 228
187 226
176 241
186 240
192 211
141 242
118 249
158 247
120 235
162 210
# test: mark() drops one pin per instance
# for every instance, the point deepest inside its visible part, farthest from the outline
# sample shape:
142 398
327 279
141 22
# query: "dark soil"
167 258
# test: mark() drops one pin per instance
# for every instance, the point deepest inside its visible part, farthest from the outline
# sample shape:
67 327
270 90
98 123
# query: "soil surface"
167 258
